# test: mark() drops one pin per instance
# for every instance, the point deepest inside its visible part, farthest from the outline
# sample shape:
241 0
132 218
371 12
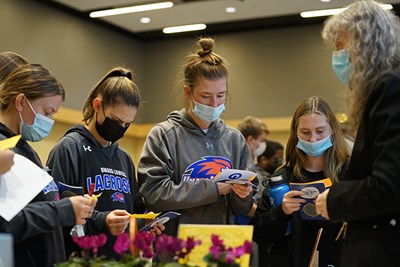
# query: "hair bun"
207 45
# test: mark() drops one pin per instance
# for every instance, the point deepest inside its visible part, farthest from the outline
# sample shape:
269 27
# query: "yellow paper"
96 196
233 236
326 181
9 142
145 216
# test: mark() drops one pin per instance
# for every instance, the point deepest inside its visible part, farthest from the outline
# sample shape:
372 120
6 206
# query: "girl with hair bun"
182 154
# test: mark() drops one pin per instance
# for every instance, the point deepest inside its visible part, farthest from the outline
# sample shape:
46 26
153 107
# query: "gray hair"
374 49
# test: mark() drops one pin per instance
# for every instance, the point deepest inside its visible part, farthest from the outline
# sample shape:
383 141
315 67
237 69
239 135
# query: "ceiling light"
329 12
145 20
325 1
131 9
230 9
184 28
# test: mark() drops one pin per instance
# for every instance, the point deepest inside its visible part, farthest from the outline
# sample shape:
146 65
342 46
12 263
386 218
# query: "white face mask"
207 113
261 148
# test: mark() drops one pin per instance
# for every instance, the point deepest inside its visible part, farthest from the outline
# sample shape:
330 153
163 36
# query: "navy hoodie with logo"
37 228
79 160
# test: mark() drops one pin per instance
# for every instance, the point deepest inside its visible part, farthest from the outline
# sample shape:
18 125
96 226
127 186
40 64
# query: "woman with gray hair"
366 38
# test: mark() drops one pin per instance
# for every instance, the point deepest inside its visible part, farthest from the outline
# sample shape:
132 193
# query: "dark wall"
271 69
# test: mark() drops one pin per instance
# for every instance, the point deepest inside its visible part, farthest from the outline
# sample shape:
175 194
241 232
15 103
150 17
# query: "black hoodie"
36 229
79 160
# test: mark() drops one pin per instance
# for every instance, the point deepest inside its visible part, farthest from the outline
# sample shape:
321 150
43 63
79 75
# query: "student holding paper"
316 149
182 154
90 154
29 98
366 38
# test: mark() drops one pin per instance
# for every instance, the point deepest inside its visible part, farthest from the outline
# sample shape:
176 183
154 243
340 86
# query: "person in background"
182 154
316 149
267 163
255 132
29 97
90 154
367 59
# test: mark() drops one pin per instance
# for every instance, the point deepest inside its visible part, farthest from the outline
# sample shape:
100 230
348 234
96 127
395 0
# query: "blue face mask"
341 65
207 113
40 128
314 149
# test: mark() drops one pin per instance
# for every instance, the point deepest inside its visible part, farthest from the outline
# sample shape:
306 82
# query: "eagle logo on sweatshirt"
206 168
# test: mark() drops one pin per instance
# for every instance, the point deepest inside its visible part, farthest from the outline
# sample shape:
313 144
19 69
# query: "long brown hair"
336 155
115 87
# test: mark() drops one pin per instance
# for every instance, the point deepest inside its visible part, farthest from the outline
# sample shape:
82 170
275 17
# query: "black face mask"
111 130
272 168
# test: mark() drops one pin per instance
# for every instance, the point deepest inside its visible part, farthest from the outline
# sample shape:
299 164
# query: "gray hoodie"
176 168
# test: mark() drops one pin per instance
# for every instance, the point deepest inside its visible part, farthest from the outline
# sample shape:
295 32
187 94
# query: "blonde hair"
252 126
32 80
9 61
204 64
336 155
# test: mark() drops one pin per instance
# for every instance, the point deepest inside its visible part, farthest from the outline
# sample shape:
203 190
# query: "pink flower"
143 241
226 256
91 242
122 243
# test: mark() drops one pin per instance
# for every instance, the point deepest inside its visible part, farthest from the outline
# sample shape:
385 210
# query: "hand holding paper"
235 176
20 185
310 192
117 221
160 220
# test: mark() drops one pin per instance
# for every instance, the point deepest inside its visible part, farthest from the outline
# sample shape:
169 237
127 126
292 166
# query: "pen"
91 189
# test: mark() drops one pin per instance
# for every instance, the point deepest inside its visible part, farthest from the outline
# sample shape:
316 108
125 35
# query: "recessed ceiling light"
329 12
145 20
230 9
131 9
325 1
184 28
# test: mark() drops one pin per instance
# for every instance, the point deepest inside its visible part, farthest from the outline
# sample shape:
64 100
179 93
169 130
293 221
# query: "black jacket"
37 233
79 160
271 226
369 198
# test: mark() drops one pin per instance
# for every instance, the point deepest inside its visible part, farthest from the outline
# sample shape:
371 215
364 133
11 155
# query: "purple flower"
191 243
91 242
226 256
122 243
217 242
143 241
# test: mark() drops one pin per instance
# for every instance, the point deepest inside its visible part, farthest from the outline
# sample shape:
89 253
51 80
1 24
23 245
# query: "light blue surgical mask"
40 128
316 148
207 113
341 65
